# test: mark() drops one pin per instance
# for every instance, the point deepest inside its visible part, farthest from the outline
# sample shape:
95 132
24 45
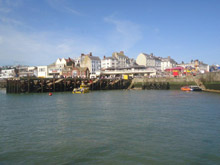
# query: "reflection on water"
110 127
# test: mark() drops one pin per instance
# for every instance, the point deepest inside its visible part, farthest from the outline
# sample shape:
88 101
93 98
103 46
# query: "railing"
128 71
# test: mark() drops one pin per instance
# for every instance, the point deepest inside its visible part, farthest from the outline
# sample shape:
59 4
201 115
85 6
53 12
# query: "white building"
60 62
55 69
26 71
123 61
8 73
77 61
109 62
131 71
33 70
167 63
42 72
148 60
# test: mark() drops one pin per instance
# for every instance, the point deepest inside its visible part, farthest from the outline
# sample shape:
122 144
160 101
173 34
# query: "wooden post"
15 85
64 85
7 86
42 85
108 83
28 85
100 85
54 85
10 86
19 86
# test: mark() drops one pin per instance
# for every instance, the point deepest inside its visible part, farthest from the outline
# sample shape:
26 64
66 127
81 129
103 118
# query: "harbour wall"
163 83
40 85
208 81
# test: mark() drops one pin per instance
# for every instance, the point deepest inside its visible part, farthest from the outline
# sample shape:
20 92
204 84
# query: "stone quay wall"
209 80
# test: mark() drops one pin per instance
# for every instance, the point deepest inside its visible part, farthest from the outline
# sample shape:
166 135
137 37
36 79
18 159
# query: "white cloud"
40 48
6 6
4 10
73 11
6 20
125 34
1 40
63 6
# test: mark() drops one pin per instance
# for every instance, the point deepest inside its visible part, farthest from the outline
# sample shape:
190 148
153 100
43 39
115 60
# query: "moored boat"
82 89
191 88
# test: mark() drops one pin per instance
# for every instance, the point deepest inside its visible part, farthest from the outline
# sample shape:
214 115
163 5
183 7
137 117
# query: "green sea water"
110 127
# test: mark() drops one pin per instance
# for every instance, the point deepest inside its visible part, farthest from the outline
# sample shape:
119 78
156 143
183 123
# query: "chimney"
121 52
104 57
82 54
168 57
90 54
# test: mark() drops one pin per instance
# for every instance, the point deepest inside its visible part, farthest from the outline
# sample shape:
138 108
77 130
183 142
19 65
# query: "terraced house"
149 60
93 63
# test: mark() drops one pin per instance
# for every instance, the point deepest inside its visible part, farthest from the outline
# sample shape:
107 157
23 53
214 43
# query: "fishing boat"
191 88
82 89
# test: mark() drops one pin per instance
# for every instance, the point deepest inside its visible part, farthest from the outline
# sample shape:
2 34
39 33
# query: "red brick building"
82 72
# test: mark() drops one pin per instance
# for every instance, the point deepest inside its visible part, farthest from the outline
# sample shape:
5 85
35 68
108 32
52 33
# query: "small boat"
82 89
191 88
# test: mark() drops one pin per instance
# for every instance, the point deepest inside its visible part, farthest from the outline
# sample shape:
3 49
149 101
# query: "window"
42 70
74 73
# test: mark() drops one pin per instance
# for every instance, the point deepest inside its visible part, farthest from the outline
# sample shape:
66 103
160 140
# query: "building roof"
151 56
82 69
69 60
121 53
94 58
111 58
168 59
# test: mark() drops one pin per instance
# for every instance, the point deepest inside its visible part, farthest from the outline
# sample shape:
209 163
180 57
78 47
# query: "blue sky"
37 32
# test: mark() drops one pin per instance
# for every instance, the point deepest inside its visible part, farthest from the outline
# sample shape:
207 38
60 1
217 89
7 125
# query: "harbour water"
110 127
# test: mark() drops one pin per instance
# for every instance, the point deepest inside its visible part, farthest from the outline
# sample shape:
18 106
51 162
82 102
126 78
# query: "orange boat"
191 88
185 88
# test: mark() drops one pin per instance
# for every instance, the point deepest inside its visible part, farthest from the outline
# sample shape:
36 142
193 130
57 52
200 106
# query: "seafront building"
149 60
109 62
8 73
123 60
167 63
132 71
89 66
56 69
195 66
42 72
26 71
82 72
93 63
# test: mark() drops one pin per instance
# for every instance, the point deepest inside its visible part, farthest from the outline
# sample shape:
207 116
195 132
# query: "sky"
37 32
